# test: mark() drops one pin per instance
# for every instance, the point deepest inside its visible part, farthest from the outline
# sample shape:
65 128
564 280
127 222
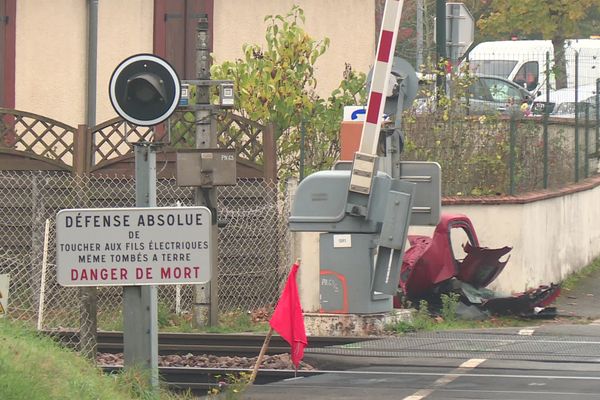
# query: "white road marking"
503 341
462 369
526 331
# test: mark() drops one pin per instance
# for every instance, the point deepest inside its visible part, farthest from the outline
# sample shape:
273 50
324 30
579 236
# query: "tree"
276 85
555 20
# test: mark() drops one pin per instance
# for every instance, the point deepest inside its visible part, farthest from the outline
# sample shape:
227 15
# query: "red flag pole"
261 355
285 326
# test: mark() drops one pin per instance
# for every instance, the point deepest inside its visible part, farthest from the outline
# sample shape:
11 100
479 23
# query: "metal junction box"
320 204
206 167
361 252
347 273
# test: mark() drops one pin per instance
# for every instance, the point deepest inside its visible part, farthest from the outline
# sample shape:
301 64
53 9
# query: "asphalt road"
548 362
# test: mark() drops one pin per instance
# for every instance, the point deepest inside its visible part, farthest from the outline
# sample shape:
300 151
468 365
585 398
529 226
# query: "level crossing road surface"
544 362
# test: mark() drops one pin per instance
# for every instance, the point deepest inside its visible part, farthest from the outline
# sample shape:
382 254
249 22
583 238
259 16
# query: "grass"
230 387
573 280
422 320
168 321
34 367
238 321
229 322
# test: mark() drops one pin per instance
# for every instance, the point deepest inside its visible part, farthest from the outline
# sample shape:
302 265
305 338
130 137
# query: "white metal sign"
133 246
355 113
4 284
460 29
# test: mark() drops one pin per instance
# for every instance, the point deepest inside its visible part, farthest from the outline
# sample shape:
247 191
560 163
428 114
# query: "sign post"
145 90
136 248
140 303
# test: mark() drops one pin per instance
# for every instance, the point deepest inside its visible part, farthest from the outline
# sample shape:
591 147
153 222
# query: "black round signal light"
144 89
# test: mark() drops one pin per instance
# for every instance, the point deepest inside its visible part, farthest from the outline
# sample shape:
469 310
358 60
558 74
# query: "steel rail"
199 343
203 379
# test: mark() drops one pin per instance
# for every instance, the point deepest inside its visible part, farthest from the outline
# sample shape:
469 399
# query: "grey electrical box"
427 176
226 95
206 167
320 204
347 274
184 100
322 198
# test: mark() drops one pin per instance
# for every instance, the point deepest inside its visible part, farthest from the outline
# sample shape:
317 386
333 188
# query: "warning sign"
4 283
133 246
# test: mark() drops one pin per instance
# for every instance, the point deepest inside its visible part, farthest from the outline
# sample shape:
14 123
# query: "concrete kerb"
321 324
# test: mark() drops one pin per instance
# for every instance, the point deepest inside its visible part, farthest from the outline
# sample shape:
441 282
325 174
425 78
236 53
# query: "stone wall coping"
529 197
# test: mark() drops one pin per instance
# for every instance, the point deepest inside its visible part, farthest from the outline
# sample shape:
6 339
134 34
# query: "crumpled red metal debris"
430 262
526 303
481 265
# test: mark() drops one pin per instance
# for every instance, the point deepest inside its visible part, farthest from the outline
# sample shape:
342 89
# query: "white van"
524 61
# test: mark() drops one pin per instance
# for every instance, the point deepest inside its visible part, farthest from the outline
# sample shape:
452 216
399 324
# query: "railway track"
243 345
200 380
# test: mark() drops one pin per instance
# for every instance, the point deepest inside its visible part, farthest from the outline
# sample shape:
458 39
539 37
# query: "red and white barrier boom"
364 165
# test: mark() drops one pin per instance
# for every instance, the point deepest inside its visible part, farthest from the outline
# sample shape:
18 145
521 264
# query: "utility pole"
419 60
440 41
206 307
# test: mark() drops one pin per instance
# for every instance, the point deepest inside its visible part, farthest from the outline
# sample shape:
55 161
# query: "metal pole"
597 116
512 160
586 140
440 41
576 116
40 322
92 66
302 150
419 60
546 116
140 303
89 295
206 307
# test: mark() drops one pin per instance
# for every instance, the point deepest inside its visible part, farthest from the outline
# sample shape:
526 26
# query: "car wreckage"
431 269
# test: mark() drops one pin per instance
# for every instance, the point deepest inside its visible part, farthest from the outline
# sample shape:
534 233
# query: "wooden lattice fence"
33 142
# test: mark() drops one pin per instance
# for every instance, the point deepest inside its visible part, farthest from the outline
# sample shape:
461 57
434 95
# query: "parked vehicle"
524 61
491 93
487 94
561 103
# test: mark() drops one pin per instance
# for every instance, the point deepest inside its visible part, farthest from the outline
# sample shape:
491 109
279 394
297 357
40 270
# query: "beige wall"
550 239
51 53
125 28
50 59
349 24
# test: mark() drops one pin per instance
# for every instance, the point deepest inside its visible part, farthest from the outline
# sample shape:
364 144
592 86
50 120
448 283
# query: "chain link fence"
513 118
253 256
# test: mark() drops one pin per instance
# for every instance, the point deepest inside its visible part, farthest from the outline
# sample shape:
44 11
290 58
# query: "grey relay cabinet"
360 256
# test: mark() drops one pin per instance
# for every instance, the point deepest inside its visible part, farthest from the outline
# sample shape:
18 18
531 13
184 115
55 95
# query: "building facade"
46 55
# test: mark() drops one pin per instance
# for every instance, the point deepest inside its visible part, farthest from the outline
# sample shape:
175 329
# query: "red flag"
287 319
